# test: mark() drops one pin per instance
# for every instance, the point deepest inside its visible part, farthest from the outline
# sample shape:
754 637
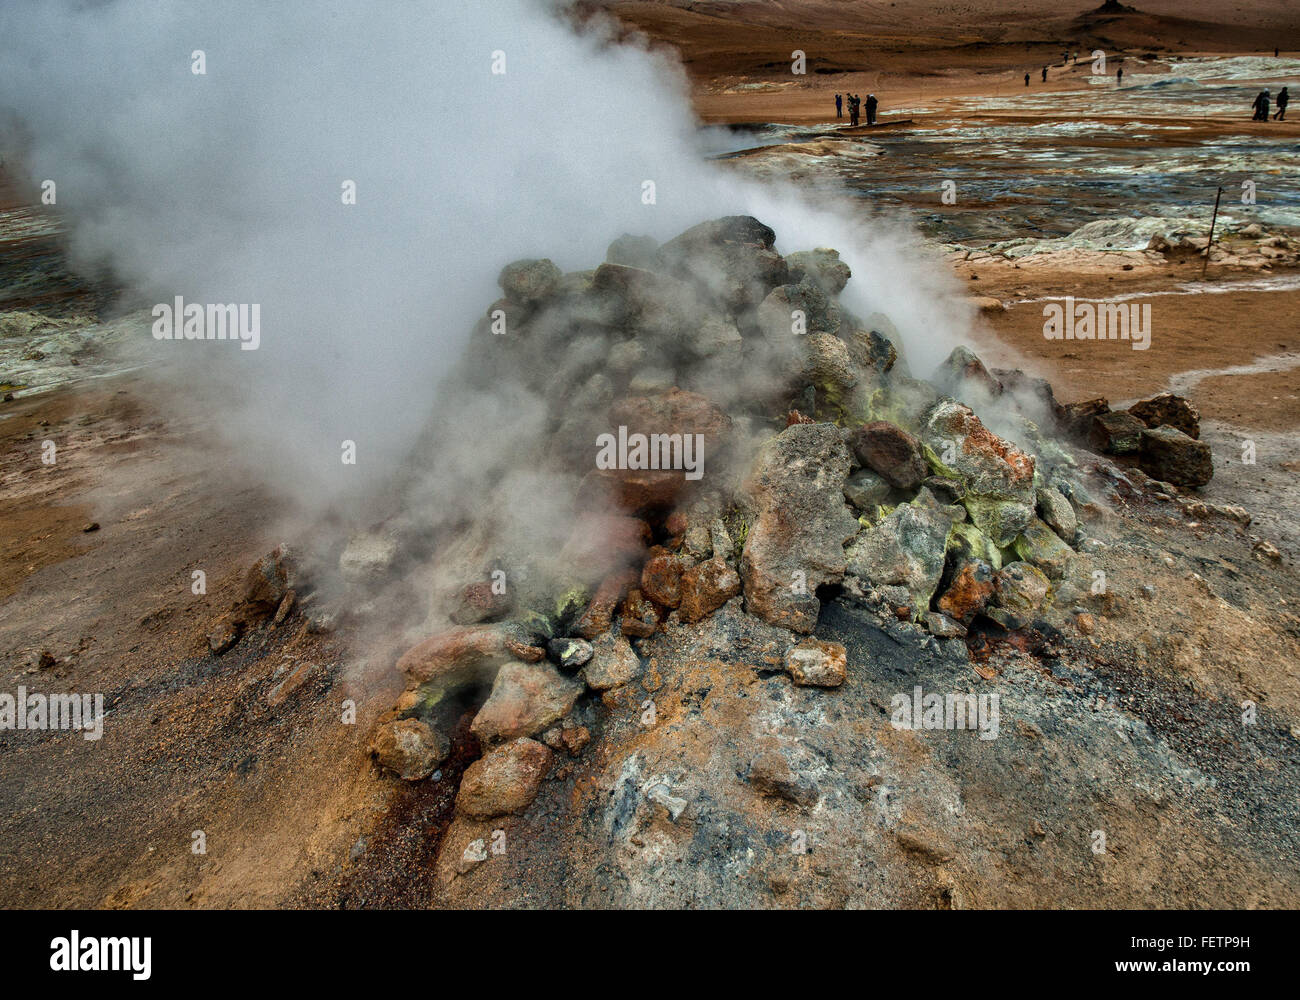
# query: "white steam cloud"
226 187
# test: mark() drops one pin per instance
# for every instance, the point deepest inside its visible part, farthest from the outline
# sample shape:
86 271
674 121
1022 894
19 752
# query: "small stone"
891 452
599 616
661 580
1058 514
822 266
1086 624
1021 591
505 781
525 698
662 795
969 593
1168 410
866 490
570 654
613 663
943 627
633 251
529 281
223 637
466 653
286 606
574 739
270 578
89 527
800 524
906 548
707 587
770 774
1171 456
698 542
368 557
323 622
409 748
962 369
1266 550
1076 418
639 616
720 541
475 854
1233 512
1040 546
479 602
1117 433
816 663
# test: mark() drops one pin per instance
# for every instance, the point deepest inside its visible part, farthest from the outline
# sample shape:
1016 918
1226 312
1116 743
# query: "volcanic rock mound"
722 459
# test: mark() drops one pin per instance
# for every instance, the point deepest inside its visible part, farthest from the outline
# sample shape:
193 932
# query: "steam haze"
226 187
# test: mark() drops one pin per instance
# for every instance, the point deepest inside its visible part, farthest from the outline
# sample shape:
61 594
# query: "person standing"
872 104
1283 99
1026 79
1119 77
839 105
1044 74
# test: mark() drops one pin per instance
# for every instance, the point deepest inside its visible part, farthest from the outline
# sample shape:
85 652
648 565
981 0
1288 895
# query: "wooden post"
1213 219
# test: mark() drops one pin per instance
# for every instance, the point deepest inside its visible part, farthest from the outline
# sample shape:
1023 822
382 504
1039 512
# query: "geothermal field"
796 455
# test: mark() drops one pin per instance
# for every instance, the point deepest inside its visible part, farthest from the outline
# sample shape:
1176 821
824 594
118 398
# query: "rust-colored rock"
890 452
1076 418
599 616
1168 410
477 602
815 663
505 781
409 748
661 580
575 738
707 587
640 617
525 699
270 578
673 412
466 653
970 591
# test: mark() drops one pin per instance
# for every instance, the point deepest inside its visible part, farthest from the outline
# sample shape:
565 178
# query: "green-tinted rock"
1040 546
905 549
1058 513
967 543
1021 591
999 520
905 402
866 490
